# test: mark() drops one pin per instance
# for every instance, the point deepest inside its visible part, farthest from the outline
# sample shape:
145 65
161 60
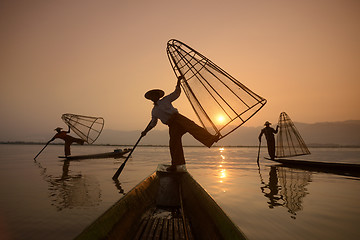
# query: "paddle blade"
42 149
118 172
116 175
258 153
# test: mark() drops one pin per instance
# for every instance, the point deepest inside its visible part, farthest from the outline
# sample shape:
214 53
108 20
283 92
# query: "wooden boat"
166 205
320 166
117 153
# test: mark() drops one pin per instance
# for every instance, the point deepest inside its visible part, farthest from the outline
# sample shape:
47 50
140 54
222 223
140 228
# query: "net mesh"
289 143
221 103
86 127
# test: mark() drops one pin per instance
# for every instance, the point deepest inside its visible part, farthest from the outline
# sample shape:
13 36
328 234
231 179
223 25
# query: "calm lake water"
52 199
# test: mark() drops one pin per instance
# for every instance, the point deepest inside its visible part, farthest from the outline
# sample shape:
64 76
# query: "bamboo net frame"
289 142
86 127
221 103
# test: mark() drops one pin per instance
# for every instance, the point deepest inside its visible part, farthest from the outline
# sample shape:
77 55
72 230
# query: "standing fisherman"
269 135
67 138
177 123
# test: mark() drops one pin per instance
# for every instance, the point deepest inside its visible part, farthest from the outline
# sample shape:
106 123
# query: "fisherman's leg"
271 149
77 140
67 148
80 141
196 131
176 148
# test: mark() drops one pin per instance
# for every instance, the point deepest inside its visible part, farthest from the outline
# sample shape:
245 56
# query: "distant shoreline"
149 145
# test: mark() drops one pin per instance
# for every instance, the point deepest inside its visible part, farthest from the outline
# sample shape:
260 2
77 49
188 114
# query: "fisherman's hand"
143 133
179 79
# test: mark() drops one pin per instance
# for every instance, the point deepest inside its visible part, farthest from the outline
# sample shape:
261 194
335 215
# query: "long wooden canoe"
351 169
166 205
117 153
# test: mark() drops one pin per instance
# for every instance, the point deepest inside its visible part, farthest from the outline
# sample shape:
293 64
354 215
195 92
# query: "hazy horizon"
99 58
317 134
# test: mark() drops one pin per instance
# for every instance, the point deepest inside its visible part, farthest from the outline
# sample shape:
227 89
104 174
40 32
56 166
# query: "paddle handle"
116 175
258 153
42 149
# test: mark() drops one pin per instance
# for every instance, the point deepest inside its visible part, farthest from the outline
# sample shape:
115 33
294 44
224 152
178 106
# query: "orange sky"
98 58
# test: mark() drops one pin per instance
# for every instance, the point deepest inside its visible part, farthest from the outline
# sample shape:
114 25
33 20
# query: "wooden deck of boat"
164 228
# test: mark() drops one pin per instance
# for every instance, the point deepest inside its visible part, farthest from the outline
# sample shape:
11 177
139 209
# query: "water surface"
54 199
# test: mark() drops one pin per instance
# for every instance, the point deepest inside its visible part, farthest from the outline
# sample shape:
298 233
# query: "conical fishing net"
221 103
86 127
288 141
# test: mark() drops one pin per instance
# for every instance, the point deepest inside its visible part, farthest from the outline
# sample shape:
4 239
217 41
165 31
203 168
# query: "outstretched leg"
70 141
196 131
79 141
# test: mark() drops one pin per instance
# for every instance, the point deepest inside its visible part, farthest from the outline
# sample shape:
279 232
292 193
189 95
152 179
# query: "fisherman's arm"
260 135
277 129
150 126
176 93
179 80
54 137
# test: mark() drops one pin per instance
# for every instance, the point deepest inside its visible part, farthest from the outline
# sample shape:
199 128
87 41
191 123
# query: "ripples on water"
54 199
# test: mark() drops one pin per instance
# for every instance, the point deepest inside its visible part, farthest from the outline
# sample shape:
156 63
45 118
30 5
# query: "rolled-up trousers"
178 126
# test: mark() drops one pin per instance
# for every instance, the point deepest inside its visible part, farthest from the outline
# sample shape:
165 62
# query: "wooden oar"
116 175
258 153
42 149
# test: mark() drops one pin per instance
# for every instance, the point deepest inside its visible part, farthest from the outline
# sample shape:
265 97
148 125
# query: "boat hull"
344 168
114 154
182 208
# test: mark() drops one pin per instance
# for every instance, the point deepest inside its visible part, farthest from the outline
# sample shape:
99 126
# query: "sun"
220 119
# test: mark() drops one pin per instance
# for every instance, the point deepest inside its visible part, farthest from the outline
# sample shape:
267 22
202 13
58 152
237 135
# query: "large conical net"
221 103
289 143
86 127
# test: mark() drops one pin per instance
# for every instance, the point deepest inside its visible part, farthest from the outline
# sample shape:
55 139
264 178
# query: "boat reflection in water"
287 187
70 191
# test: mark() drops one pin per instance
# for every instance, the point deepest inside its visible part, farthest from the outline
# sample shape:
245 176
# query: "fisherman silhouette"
67 138
269 135
177 123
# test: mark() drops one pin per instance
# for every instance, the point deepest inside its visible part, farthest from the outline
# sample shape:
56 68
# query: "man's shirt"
164 109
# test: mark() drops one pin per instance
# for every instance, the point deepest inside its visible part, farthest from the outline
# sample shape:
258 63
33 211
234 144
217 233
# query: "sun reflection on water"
222 173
